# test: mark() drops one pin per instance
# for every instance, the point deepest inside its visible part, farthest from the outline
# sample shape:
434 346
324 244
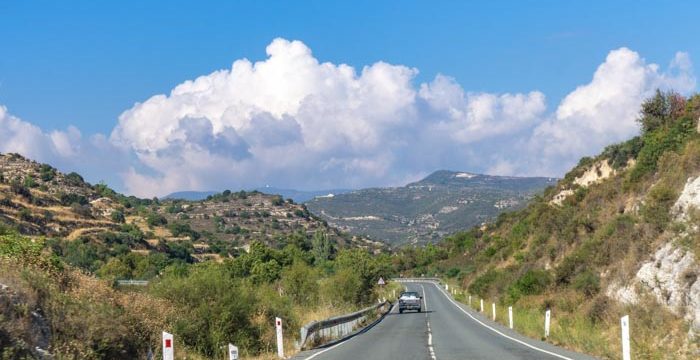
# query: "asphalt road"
444 331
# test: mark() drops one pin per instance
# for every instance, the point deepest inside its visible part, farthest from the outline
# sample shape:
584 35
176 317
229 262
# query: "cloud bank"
292 121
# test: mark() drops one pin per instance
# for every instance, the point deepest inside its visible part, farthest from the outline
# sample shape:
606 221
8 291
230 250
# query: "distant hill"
299 196
427 210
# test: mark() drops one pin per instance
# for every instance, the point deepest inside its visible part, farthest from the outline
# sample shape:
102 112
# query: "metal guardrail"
132 282
335 327
416 279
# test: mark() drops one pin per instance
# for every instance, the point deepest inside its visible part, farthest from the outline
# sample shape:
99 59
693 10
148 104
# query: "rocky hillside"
427 210
618 235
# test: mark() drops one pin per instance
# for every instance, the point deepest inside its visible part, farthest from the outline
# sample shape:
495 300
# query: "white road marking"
431 350
498 332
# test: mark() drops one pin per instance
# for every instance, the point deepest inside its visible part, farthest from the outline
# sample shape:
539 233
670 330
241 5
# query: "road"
446 331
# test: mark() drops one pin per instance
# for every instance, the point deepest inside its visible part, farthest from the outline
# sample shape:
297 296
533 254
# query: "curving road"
446 331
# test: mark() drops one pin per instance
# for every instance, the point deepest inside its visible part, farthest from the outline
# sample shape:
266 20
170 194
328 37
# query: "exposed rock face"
689 199
672 276
595 174
598 172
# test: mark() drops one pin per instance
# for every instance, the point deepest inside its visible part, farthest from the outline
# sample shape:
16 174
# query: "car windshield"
410 294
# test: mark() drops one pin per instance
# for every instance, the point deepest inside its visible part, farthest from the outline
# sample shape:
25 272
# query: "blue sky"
83 64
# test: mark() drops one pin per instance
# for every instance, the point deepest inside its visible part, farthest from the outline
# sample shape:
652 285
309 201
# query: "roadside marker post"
280 341
547 318
470 301
168 346
493 310
232 352
482 305
625 325
510 317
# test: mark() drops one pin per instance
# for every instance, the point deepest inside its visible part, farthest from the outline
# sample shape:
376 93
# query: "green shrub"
453 272
30 182
488 283
74 179
656 209
587 282
118 216
155 219
300 283
533 282
19 189
72 198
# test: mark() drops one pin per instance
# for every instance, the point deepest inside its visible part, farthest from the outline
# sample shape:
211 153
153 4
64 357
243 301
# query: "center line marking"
431 350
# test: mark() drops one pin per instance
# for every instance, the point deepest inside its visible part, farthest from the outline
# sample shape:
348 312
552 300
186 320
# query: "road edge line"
499 332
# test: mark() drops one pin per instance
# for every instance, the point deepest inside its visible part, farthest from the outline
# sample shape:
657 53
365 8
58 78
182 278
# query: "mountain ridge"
426 210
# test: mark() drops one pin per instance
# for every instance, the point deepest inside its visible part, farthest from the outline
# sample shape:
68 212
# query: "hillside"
220 270
618 235
36 199
427 210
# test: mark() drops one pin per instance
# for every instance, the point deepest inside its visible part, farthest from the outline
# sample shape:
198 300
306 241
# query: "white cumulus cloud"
290 120
605 110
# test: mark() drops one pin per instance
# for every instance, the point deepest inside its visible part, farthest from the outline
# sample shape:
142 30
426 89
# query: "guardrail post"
510 317
625 325
547 317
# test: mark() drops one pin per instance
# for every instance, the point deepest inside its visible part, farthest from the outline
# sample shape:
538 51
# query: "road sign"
381 281
168 346
232 352
280 341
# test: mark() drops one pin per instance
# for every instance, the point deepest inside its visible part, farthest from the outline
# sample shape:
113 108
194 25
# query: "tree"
322 248
661 110
300 283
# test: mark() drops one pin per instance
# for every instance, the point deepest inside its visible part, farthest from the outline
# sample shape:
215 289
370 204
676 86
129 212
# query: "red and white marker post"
280 341
168 346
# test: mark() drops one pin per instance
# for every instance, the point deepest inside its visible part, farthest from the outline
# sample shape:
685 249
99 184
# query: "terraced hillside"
38 200
427 210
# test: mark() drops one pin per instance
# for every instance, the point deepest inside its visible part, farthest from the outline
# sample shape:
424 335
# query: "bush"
19 189
533 282
656 209
46 173
300 283
343 288
29 182
453 272
70 199
81 210
25 215
155 219
218 309
74 179
587 282
118 216
487 284
180 229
